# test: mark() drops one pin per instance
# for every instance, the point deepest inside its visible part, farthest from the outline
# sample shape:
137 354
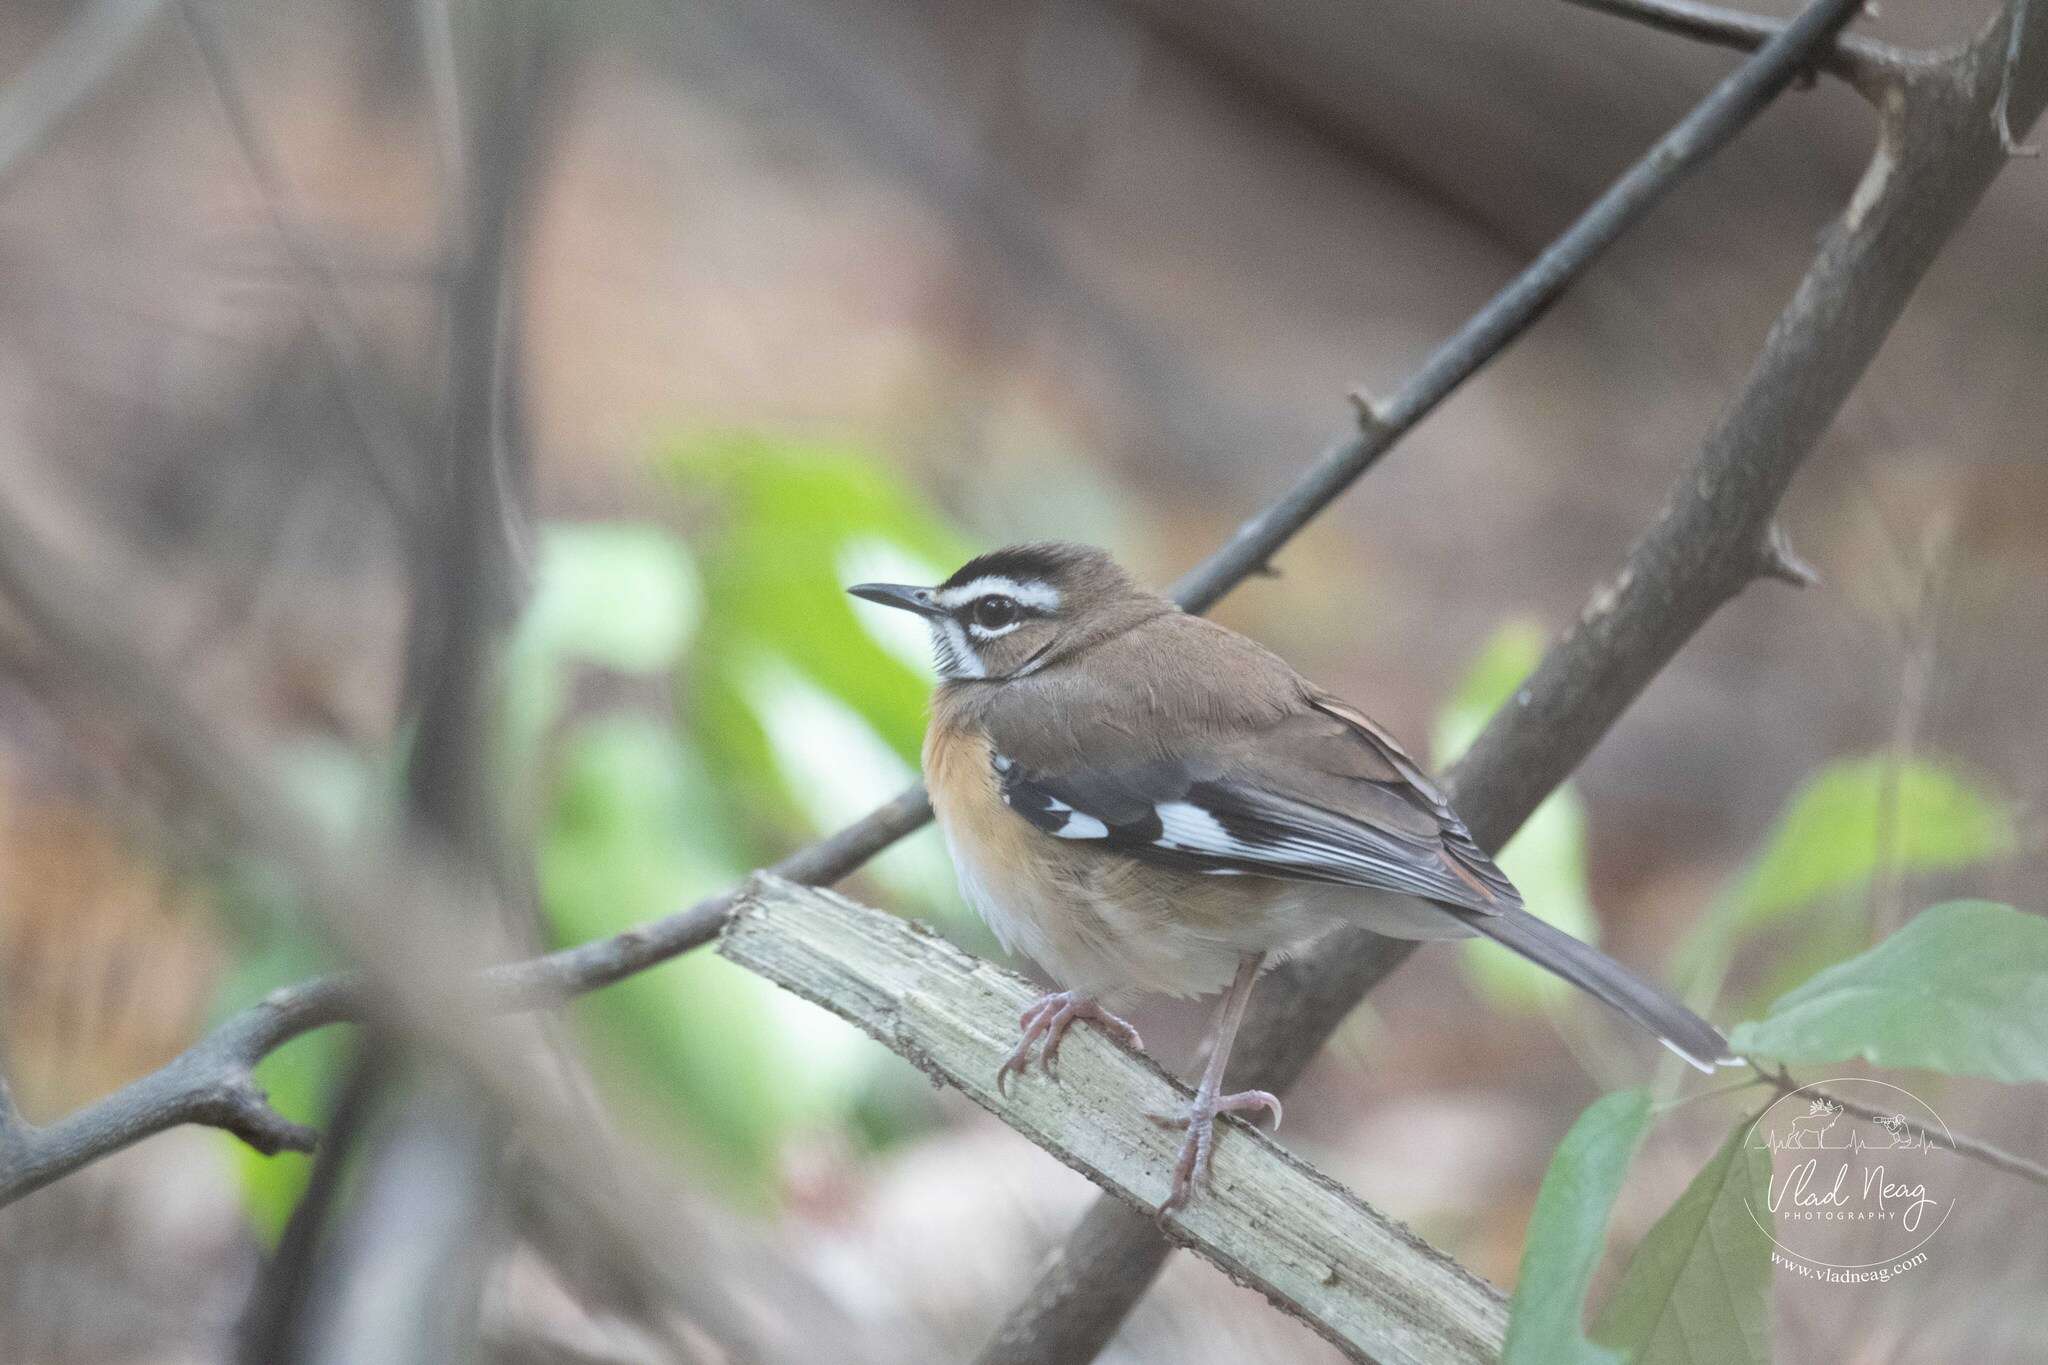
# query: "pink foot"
1199 1119
1050 1018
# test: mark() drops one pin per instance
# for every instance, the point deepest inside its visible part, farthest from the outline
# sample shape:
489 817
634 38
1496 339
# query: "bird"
1144 801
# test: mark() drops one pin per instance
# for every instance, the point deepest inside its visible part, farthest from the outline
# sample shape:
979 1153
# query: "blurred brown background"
1073 267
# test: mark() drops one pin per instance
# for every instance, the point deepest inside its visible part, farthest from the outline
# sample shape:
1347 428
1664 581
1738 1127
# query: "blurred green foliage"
1836 834
809 704
1854 822
656 750
1546 859
793 715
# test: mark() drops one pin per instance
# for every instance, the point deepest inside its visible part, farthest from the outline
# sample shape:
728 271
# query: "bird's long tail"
1599 975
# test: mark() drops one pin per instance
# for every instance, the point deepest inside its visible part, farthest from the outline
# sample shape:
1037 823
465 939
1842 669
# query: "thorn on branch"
243 1108
1370 420
1777 559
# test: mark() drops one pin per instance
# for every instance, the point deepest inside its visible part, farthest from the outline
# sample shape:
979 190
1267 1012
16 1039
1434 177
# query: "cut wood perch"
1267 1219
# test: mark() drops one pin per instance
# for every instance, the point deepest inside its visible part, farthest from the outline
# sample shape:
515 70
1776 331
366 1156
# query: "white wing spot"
1184 825
1080 826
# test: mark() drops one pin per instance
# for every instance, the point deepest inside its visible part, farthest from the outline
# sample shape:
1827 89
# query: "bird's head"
1009 613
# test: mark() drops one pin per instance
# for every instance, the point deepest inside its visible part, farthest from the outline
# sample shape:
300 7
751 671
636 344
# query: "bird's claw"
1199 1118
1049 1018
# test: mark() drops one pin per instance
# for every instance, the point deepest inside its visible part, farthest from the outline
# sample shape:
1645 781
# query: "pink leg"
1050 1018
1200 1117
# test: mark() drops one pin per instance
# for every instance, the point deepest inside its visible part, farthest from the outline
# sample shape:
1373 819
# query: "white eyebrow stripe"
1037 596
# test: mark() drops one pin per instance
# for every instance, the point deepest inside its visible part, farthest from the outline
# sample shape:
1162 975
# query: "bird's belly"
1087 941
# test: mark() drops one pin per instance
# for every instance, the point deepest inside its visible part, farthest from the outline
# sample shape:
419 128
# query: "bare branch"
1268 1219
1871 67
1716 119
211 1083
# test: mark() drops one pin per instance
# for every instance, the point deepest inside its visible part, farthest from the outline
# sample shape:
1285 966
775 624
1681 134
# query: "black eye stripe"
993 611
965 611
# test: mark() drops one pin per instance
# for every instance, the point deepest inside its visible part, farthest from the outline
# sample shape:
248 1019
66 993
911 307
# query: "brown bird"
1140 800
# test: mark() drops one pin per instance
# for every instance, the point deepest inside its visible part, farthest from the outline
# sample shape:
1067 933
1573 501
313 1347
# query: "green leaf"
1567 1232
1546 859
1698 1290
1504 663
622 595
1962 988
1829 844
1829 840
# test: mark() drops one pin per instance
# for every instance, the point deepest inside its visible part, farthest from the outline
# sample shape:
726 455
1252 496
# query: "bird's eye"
994 611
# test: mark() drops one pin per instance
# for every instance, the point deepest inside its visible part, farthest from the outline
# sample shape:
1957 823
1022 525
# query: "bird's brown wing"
1276 781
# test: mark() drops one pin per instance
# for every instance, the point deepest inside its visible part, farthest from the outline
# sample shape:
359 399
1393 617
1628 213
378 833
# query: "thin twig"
1997 1158
1869 66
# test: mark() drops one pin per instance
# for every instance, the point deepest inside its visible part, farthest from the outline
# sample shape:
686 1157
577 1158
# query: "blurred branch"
408 912
1269 1220
1870 66
350 360
65 73
270 1328
2001 111
429 1188
1936 155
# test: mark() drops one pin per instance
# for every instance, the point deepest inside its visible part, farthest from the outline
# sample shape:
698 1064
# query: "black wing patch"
1213 825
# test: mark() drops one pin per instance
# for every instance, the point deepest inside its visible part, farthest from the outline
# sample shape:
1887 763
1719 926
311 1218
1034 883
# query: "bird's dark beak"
900 595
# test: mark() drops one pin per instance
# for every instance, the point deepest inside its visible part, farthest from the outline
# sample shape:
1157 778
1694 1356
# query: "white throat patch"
952 655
